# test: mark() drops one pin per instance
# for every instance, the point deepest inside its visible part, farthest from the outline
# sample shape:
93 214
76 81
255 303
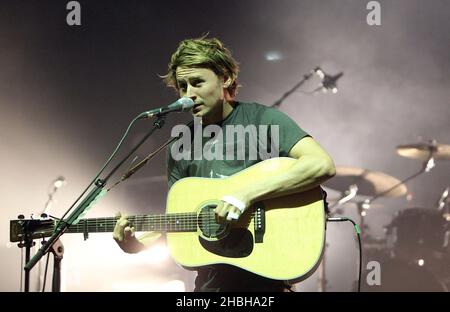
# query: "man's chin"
201 113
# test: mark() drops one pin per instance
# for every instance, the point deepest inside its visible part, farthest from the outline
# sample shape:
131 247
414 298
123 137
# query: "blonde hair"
204 53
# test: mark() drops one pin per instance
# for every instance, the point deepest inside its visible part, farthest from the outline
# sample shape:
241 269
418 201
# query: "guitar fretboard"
179 222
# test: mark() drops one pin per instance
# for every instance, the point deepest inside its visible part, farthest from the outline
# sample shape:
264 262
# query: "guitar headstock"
36 228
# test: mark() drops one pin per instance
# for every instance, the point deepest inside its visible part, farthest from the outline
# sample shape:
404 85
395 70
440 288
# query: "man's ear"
226 82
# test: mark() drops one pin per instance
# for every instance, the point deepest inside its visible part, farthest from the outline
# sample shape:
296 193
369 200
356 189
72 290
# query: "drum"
418 234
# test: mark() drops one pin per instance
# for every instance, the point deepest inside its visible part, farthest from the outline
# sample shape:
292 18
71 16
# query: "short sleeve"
289 131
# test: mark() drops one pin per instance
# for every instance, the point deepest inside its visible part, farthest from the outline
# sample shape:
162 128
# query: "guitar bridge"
259 221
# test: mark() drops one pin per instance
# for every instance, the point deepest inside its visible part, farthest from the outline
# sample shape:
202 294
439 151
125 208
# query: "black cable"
103 168
45 273
92 182
358 232
158 124
138 166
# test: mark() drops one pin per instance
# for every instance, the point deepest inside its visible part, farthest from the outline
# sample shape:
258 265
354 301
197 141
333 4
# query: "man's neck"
222 114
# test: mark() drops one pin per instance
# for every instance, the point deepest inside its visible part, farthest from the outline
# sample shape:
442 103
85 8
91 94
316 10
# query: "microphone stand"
27 243
300 83
57 253
63 225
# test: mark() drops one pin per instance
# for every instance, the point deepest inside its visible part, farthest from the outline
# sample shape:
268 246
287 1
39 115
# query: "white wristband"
235 202
232 216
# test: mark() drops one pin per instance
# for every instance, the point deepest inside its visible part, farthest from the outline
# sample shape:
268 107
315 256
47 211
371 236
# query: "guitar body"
289 247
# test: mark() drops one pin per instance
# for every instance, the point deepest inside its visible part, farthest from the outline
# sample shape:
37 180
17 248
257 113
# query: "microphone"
328 81
183 104
58 182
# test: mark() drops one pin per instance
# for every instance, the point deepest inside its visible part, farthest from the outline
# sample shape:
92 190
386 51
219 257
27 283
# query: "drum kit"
414 250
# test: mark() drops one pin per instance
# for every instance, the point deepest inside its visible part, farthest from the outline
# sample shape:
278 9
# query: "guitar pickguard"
238 243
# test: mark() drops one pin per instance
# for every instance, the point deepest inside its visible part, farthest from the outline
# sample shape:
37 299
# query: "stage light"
273 56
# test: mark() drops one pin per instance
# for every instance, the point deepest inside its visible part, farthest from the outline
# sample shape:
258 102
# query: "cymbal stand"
346 197
426 167
443 204
365 205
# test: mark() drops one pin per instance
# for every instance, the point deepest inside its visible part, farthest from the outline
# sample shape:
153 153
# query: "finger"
123 223
129 231
220 212
223 210
119 228
219 207
116 227
217 211
235 210
126 233
232 215
121 217
117 233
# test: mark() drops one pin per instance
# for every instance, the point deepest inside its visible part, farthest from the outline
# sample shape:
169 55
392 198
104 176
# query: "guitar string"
187 216
174 221
163 221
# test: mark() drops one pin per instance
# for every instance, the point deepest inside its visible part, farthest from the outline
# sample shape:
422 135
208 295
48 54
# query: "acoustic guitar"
280 238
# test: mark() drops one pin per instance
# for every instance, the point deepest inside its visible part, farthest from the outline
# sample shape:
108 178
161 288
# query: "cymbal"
423 151
370 183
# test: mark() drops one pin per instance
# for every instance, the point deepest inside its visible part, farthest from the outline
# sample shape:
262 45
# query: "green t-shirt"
231 151
251 133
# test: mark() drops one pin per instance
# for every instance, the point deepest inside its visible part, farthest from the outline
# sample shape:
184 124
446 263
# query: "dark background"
67 93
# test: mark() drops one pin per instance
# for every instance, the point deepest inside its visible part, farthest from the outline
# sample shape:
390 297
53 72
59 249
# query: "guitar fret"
180 222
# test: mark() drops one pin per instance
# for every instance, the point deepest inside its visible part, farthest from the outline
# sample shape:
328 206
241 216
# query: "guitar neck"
179 222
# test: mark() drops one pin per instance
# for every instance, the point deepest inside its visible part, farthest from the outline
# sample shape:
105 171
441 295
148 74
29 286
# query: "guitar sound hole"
207 223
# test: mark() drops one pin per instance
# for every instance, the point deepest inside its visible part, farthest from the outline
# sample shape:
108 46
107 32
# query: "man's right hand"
124 236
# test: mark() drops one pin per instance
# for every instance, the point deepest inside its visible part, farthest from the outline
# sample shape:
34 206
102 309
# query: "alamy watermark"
374 275
374 16
225 143
74 16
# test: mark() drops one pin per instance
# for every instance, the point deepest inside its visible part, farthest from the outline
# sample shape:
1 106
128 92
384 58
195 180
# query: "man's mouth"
197 107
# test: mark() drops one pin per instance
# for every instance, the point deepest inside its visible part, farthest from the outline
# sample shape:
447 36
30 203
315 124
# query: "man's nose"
190 93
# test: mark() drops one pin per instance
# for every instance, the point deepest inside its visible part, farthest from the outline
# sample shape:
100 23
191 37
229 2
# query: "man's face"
204 87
